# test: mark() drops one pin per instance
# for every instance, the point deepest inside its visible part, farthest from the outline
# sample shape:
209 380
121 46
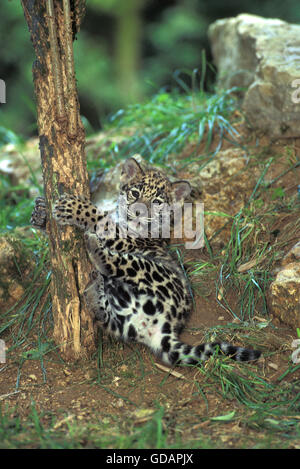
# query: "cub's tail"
178 353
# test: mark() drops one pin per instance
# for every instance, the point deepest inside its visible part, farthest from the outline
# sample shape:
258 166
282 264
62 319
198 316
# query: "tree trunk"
62 139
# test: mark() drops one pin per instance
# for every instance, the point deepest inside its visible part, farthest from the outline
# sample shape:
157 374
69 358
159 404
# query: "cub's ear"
180 190
131 168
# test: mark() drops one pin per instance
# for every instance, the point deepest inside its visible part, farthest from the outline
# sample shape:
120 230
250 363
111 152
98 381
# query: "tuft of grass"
42 430
266 402
169 122
245 263
15 204
31 315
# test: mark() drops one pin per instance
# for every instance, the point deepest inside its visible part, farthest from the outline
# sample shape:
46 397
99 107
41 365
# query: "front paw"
39 215
67 208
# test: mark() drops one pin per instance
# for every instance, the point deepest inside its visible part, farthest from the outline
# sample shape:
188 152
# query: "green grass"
32 312
166 124
43 430
268 410
15 204
249 245
31 315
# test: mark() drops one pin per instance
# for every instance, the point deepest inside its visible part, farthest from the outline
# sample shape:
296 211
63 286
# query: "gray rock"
284 295
17 264
284 291
262 55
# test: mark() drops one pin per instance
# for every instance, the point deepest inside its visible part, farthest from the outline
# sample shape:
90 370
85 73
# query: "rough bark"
62 141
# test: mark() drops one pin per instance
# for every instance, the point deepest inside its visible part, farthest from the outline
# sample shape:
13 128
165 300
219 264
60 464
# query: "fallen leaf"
224 418
170 371
273 365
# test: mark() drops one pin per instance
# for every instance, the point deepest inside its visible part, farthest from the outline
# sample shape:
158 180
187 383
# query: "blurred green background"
126 50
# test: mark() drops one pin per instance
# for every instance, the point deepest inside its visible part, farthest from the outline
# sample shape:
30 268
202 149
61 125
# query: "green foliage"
278 193
266 405
16 205
8 136
177 39
170 121
171 39
16 63
29 316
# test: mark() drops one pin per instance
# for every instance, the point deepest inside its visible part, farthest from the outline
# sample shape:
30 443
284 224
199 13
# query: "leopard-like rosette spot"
70 210
39 215
78 211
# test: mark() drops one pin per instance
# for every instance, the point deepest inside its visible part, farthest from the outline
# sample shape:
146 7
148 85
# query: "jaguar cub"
137 290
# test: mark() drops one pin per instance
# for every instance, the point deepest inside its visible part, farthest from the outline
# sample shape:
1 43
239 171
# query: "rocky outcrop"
262 55
284 293
227 185
16 266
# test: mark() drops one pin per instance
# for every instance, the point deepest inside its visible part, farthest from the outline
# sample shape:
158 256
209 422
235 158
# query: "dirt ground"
131 386
123 385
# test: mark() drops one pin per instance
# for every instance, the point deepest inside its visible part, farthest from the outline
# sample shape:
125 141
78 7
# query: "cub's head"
147 193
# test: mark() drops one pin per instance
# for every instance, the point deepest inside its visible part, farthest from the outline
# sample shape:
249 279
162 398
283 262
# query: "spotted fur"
137 290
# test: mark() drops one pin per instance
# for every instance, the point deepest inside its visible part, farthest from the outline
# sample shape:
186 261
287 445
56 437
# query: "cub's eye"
157 201
134 193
